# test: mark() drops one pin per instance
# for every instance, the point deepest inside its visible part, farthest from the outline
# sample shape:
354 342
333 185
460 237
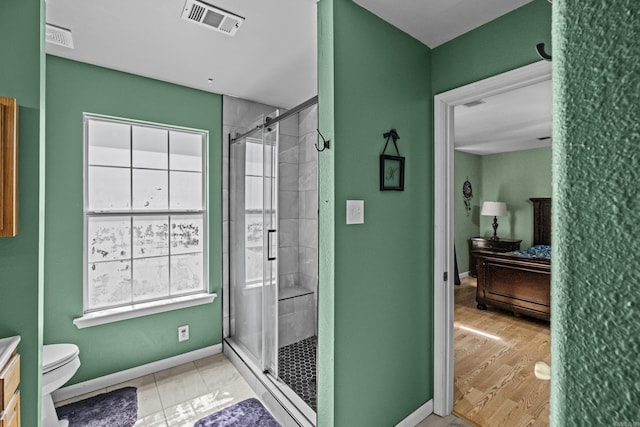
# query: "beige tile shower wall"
288 200
296 319
308 199
297 316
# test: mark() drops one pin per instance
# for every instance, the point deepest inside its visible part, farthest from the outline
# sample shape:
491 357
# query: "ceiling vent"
212 17
60 36
474 103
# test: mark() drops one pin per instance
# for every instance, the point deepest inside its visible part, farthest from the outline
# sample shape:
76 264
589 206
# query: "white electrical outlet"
183 333
355 211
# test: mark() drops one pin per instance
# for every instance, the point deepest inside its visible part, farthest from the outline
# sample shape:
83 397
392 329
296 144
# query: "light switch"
355 211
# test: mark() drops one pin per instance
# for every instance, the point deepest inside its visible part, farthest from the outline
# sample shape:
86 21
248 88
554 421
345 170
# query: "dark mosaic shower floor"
297 368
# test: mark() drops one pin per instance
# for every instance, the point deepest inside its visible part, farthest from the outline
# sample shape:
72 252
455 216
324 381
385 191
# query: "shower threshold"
278 397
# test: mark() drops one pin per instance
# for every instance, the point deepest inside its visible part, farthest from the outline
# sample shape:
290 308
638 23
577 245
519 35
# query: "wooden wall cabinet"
8 167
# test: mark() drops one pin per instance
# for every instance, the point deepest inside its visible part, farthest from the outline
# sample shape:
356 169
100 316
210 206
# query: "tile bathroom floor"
182 395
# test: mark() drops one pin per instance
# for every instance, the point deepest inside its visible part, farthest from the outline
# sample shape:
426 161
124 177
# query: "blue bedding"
538 251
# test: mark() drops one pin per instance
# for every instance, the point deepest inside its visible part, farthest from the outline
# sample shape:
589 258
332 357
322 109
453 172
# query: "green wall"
22 77
369 82
513 178
74 88
383 295
327 217
466 225
503 44
595 296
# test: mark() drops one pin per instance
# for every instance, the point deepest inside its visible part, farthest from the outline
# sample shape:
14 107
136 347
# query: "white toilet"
59 363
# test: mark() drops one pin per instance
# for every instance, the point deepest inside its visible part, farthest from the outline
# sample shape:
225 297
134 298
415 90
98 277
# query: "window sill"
143 309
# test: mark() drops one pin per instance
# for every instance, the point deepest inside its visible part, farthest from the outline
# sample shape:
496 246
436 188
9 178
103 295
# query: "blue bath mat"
118 408
248 413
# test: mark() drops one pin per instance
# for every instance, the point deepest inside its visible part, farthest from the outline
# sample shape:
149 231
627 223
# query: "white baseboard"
129 374
418 415
463 275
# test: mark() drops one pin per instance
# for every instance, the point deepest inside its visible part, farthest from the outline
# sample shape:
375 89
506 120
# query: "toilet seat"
57 355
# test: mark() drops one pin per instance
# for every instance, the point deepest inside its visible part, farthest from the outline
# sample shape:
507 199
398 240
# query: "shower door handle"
269 256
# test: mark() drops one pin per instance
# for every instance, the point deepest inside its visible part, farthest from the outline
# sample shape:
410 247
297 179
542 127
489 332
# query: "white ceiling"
509 121
271 59
434 22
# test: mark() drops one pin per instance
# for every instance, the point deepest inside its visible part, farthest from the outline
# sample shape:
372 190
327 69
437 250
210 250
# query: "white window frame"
97 316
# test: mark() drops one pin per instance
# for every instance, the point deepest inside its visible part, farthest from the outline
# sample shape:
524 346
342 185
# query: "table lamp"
494 209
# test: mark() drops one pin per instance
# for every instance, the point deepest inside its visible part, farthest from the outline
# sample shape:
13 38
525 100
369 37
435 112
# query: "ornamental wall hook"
325 143
543 54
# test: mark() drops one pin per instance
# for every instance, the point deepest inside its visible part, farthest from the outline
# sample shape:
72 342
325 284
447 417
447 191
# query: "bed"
519 281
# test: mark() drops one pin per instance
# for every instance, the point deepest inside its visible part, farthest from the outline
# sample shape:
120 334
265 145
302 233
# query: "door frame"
444 103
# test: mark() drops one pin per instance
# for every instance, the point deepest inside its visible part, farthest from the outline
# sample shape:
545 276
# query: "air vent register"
212 17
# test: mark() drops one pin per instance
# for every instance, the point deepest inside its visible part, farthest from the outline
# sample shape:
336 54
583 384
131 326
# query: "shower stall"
273 250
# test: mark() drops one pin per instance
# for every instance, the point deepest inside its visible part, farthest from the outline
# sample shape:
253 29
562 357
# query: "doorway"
444 105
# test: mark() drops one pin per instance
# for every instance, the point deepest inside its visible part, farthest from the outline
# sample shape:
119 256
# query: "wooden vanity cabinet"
9 393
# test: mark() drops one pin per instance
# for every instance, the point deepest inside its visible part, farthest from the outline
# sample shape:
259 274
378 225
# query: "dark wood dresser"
488 244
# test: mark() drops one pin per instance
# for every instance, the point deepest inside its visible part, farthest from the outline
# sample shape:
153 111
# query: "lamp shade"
494 209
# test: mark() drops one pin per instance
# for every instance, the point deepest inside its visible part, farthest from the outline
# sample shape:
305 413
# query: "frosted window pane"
186 234
109 283
254 193
150 148
255 227
253 264
268 157
109 144
149 189
186 190
109 188
254 156
147 255
150 278
109 238
150 236
186 151
187 273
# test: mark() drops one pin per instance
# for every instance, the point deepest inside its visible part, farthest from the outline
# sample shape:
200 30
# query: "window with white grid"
144 213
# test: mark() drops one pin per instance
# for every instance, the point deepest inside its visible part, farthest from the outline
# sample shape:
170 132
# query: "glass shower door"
254 244
270 271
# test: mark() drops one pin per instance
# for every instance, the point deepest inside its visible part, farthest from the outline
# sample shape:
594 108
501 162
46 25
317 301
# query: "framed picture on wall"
391 173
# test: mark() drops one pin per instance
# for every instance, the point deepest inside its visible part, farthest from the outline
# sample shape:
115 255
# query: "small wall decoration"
391 167
467 193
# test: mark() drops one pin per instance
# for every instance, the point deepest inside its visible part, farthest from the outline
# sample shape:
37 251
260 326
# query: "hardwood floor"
495 354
